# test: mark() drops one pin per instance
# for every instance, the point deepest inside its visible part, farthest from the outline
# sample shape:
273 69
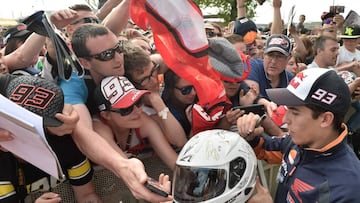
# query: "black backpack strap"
4 81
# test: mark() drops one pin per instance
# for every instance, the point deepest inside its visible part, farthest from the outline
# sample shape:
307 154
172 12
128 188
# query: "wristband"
163 113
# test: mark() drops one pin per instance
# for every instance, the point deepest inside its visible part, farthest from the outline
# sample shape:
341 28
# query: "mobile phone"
258 109
155 187
337 9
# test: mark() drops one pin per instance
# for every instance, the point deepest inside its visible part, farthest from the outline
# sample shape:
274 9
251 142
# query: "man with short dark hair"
101 53
318 165
326 50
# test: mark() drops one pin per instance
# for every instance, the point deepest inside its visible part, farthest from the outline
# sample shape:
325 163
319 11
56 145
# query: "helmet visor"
198 184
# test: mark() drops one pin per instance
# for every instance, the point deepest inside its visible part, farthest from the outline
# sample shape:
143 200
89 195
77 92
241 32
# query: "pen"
258 123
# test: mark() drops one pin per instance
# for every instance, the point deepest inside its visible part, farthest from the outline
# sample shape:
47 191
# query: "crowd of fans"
129 100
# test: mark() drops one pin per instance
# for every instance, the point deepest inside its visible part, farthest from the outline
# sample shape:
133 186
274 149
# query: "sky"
311 8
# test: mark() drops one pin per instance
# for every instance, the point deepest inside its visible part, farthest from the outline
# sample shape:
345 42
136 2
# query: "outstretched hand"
133 174
247 128
48 197
62 18
69 117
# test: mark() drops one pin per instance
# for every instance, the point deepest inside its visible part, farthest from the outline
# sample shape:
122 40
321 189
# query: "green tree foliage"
227 8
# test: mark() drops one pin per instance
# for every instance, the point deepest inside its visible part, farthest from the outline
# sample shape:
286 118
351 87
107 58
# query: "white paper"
29 141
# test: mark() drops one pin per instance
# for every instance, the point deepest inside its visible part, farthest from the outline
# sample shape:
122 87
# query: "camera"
337 9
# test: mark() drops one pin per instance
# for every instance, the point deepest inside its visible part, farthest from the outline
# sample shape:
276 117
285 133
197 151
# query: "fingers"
5 135
246 126
165 181
63 17
48 197
67 110
233 115
68 115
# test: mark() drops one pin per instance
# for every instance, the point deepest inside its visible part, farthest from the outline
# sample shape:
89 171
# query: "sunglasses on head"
185 90
86 20
128 110
109 54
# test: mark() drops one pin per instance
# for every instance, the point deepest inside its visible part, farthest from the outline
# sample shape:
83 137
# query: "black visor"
198 184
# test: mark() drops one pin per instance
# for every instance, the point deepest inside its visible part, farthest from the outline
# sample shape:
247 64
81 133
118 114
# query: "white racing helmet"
215 166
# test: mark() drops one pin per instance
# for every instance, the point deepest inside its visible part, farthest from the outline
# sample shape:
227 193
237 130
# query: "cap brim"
349 37
20 34
250 37
209 26
234 72
271 49
282 96
51 122
130 98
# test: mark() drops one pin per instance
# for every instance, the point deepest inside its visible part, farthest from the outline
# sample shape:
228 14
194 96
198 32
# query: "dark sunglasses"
86 20
128 110
226 81
153 73
329 21
185 90
213 34
109 54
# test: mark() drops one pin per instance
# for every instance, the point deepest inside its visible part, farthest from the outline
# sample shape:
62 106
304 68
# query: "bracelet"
163 113
241 6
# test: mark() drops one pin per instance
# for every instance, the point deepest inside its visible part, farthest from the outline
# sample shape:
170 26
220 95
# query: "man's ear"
105 115
69 30
85 63
318 50
327 119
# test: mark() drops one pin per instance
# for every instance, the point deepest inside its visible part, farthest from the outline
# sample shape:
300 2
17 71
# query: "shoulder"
75 89
256 63
149 126
256 69
289 74
148 121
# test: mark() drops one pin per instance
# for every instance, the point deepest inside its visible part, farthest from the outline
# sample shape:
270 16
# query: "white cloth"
347 56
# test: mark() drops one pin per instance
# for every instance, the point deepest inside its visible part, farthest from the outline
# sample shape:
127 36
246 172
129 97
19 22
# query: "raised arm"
276 27
106 8
24 55
117 19
173 131
241 9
